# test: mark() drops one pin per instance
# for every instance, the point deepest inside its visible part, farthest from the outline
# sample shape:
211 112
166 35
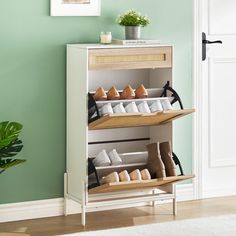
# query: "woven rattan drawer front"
130 58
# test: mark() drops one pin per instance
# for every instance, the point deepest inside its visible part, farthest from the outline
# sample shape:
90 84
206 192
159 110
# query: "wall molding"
215 160
55 207
197 99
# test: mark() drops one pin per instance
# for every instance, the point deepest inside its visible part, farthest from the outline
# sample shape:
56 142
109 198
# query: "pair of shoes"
160 163
120 108
104 159
132 107
127 93
124 176
134 175
130 93
161 105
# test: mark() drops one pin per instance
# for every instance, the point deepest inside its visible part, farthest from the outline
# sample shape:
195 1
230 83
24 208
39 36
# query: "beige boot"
166 156
155 165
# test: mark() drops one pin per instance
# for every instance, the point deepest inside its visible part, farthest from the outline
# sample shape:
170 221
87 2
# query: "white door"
219 99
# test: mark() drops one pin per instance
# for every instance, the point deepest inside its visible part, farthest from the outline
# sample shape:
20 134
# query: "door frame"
197 99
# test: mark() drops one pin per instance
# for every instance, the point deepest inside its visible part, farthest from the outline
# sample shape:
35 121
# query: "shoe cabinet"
89 67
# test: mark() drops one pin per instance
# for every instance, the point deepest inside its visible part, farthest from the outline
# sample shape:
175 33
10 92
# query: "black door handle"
211 42
204 42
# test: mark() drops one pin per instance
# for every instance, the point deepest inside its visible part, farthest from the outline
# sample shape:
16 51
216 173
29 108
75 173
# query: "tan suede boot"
166 156
154 164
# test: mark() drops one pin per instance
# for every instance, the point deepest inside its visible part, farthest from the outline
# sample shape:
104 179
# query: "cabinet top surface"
102 46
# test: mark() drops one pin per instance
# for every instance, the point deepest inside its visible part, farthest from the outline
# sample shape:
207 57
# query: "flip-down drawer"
130 58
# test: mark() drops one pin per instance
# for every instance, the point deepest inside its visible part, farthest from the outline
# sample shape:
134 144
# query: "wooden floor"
120 218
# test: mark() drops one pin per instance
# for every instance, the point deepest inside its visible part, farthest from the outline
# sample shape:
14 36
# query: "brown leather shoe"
100 94
128 93
166 156
154 164
141 92
113 94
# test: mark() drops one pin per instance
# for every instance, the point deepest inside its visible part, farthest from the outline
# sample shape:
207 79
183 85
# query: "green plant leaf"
133 18
5 164
11 149
9 132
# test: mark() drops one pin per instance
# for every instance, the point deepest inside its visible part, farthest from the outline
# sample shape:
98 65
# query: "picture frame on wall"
75 7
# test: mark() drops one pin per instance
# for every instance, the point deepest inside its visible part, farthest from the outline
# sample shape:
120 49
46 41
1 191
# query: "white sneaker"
131 107
156 106
102 159
106 109
143 107
166 105
115 158
119 108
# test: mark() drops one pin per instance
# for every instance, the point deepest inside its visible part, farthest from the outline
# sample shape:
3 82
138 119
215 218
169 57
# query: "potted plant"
10 144
133 21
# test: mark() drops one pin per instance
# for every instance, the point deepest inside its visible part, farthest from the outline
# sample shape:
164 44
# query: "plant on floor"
10 144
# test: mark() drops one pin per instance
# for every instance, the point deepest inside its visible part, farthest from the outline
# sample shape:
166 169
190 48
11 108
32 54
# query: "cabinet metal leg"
153 202
83 215
65 193
174 207
65 206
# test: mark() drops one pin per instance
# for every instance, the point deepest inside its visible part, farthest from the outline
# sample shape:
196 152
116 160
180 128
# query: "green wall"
32 81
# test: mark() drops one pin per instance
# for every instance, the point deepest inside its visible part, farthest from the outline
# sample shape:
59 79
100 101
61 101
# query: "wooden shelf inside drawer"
124 186
120 166
137 119
102 171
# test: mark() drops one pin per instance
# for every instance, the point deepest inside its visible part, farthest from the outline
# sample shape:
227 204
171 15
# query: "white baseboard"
31 210
54 207
216 192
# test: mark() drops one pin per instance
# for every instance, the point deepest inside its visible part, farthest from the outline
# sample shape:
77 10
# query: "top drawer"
130 58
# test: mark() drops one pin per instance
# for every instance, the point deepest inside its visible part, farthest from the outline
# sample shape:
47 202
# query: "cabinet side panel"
76 120
158 78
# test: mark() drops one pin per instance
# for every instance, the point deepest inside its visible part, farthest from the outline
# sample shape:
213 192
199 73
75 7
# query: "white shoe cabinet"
89 67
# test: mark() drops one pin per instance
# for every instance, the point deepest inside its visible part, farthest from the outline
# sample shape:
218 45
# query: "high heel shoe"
100 94
141 92
166 156
155 165
128 93
113 94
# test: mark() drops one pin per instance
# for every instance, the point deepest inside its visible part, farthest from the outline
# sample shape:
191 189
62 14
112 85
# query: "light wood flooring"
120 218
